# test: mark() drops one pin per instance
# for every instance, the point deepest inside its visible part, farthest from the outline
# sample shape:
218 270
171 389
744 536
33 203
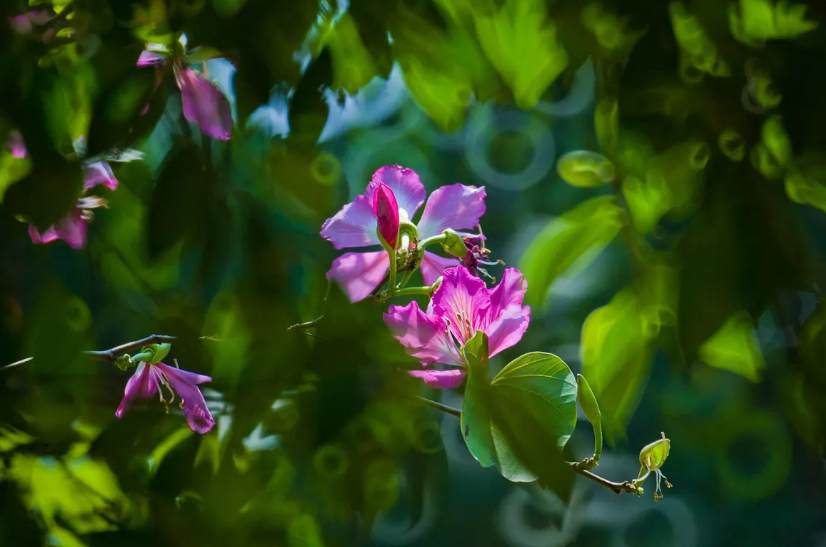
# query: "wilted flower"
652 458
457 206
72 227
461 306
152 378
203 103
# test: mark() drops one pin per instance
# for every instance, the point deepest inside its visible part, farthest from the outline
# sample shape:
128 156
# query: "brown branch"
615 487
111 355
581 468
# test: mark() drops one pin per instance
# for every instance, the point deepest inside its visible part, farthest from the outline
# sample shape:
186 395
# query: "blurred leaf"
521 44
585 169
435 71
588 226
225 321
606 124
177 208
352 63
759 20
776 140
616 352
590 407
308 105
11 170
734 347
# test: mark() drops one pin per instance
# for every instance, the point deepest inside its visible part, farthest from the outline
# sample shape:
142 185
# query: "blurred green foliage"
674 257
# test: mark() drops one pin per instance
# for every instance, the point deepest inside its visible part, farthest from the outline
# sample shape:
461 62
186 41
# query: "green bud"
454 244
156 353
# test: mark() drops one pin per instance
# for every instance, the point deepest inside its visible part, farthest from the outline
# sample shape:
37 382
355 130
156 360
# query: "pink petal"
507 328
463 301
141 385
509 292
71 229
440 379
98 172
204 104
406 186
151 58
433 265
423 336
354 226
359 273
185 383
456 206
386 211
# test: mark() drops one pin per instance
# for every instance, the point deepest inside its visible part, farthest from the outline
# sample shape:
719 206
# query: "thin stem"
616 487
580 468
439 406
441 238
111 355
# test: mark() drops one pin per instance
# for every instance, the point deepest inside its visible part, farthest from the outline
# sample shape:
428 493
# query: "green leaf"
475 420
542 388
734 347
588 226
589 405
585 169
521 44
616 353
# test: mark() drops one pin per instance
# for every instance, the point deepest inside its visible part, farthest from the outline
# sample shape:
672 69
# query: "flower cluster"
461 304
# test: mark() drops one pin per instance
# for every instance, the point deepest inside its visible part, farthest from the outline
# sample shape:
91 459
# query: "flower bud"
387 213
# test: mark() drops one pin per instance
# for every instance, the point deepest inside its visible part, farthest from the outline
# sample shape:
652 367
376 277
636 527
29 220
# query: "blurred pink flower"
461 306
203 103
457 206
72 227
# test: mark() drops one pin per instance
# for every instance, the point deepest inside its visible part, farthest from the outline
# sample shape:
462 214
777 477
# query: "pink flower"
149 379
457 206
461 306
203 103
72 227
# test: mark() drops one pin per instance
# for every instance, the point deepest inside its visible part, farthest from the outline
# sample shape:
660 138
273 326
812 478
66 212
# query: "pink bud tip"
387 213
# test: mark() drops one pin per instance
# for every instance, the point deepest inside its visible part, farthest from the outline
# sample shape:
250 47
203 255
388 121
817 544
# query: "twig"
111 355
581 468
439 406
616 487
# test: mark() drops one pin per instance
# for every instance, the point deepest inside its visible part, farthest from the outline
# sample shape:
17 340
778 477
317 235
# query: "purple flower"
461 306
149 379
72 227
457 206
203 103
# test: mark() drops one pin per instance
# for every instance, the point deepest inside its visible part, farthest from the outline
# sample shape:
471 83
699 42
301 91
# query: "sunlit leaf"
589 226
521 43
734 347
759 20
616 352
